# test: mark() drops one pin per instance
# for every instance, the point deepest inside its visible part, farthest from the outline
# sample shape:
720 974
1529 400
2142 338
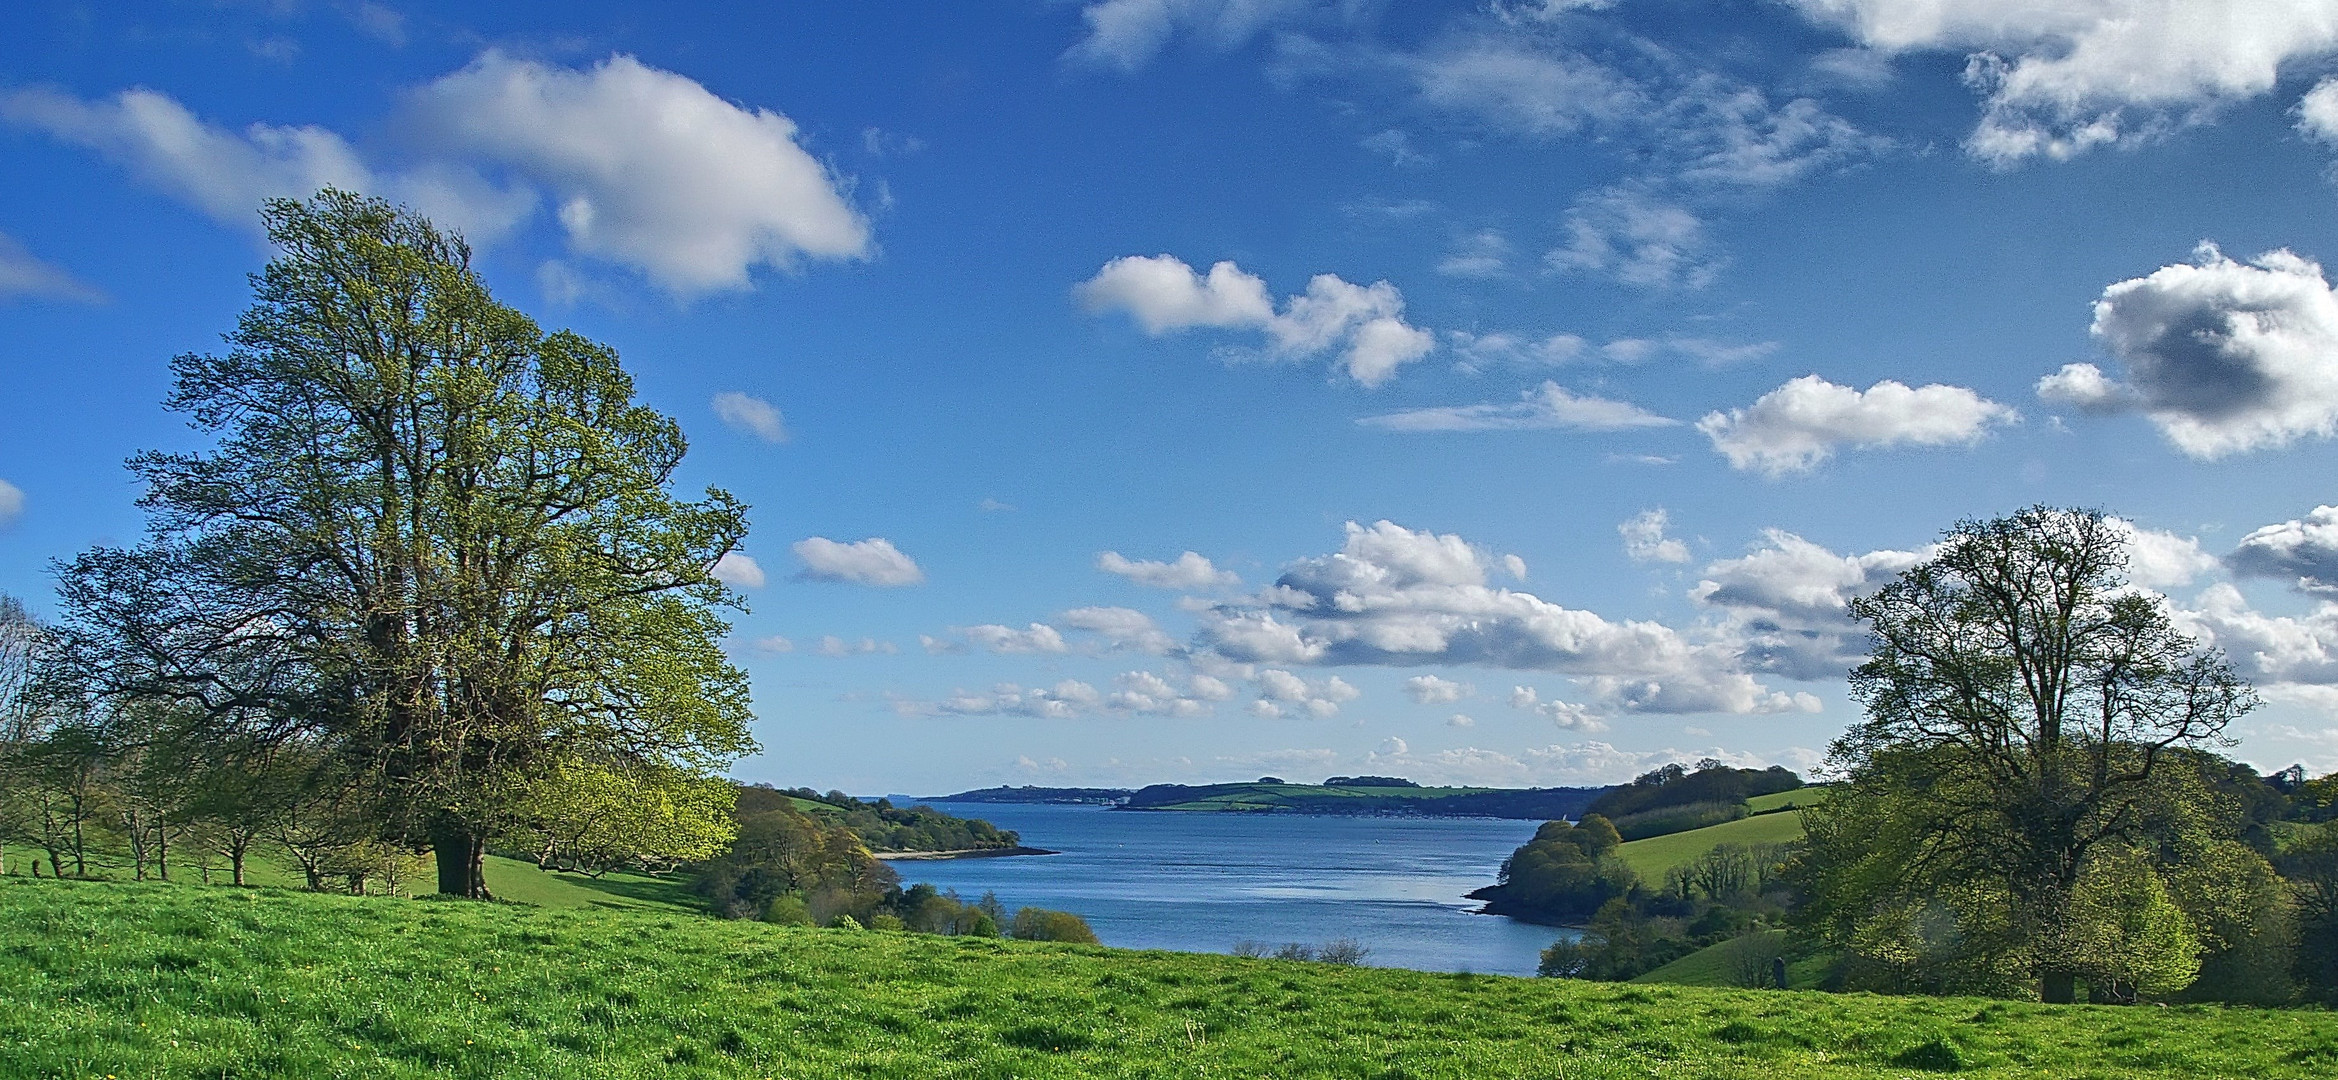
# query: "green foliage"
431 544
1655 858
883 826
148 980
1681 817
2030 782
1676 785
593 817
1041 924
2309 865
1563 875
782 851
787 910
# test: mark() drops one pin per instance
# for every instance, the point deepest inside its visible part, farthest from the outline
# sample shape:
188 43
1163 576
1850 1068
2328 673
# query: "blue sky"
1143 390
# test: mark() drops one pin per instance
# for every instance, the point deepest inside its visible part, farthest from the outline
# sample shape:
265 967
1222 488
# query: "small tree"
1041 924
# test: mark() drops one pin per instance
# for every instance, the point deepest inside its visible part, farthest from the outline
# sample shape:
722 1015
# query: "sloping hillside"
149 980
1652 857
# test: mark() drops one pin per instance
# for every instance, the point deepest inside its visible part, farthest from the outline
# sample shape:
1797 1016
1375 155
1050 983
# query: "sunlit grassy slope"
1802 796
512 880
1717 965
1652 857
508 879
144 980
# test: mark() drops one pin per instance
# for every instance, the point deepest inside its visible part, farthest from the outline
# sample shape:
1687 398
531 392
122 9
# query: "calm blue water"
1201 882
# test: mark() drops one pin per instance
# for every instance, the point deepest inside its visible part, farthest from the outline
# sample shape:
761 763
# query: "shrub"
1347 952
788 910
1040 924
1666 820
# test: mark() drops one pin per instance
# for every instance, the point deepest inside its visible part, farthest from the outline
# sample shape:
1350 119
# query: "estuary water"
1203 882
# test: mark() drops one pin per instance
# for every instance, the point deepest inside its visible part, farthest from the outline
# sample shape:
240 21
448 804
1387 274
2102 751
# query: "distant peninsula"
1346 796
1089 796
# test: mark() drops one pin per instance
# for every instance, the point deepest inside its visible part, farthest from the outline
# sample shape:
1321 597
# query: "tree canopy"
433 553
2031 796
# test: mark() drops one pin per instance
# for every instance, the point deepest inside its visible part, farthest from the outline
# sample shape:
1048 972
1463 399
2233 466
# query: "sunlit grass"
1653 857
145 980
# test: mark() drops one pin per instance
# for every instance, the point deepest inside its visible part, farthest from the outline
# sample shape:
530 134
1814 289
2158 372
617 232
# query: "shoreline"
960 853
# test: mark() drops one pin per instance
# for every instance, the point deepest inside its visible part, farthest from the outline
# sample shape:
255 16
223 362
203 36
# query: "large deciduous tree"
2025 798
434 548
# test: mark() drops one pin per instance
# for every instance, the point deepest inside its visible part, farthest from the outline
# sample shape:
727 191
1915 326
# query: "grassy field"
522 883
1802 796
145 980
1652 857
1716 965
508 879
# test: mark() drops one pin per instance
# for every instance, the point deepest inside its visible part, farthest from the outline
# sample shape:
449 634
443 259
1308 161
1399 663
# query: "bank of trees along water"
2033 805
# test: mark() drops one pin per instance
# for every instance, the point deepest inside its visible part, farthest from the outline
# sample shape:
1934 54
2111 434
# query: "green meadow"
123 980
1653 857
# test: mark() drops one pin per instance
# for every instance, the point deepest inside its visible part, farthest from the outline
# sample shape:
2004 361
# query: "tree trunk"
2058 988
461 855
235 860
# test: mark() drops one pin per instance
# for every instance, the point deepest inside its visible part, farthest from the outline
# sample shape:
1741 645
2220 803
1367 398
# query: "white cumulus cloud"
2317 112
1431 690
2060 78
739 569
1363 324
23 274
2157 559
1397 597
831 645
1190 570
2303 551
1567 715
1065 700
1799 425
1127 34
1121 628
1281 693
2223 356
1145 693
874 561
1645 542
1551 407
226 174
11 503
1639 239
648 168
2277 652
1164 295
750 414
1788 602
1036 638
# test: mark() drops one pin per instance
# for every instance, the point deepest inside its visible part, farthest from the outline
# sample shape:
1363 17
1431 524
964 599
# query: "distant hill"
1095 796
1351 799
881 825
